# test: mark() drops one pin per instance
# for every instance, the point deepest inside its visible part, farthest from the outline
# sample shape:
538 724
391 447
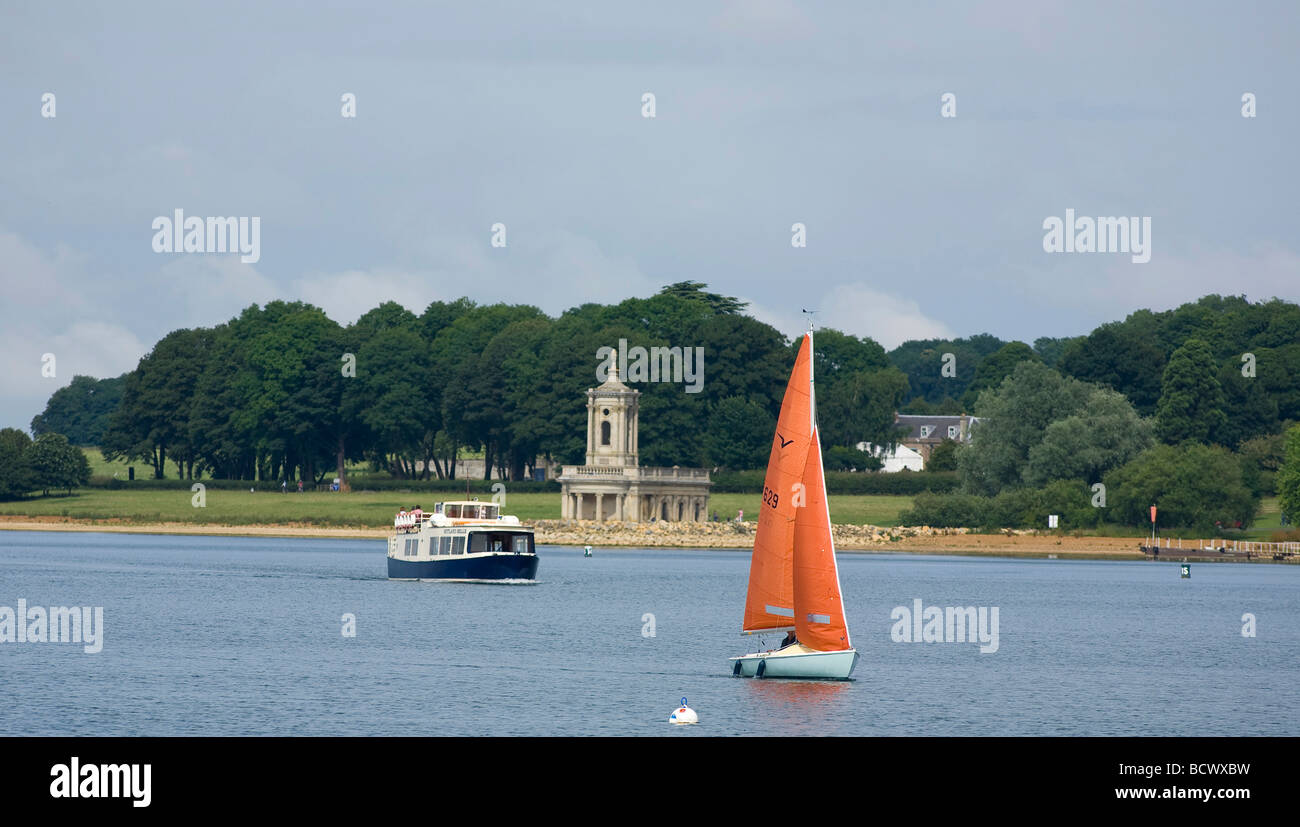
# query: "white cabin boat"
461 540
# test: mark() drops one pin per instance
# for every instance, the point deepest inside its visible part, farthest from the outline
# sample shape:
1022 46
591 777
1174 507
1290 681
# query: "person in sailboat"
789 640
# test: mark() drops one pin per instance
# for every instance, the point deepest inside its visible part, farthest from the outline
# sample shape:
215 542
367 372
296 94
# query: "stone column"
600 507
636 425
591 428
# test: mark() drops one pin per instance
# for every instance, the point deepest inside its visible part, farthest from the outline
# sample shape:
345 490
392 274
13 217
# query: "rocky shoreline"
723 535
729 534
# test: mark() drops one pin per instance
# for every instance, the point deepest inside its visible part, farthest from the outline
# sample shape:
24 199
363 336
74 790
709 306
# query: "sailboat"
794 583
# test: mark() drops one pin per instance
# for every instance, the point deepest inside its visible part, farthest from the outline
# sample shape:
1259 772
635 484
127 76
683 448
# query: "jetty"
1220 549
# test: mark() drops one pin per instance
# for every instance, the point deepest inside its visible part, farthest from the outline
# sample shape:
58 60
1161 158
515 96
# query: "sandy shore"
119 527
921 540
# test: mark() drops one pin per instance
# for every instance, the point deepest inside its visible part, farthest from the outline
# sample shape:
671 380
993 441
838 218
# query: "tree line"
269 394
284 392
1048 443
1246 377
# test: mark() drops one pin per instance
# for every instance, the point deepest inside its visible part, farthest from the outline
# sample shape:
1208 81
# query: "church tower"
612 411
612 485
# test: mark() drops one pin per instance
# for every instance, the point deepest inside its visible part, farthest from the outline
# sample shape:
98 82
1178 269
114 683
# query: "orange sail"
819 608
769 603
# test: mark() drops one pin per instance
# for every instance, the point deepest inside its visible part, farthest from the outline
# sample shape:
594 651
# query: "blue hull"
486 567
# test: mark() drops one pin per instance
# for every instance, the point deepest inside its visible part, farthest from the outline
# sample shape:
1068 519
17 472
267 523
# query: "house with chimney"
921 432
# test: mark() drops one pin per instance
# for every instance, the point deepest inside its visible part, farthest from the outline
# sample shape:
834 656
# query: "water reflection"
794 707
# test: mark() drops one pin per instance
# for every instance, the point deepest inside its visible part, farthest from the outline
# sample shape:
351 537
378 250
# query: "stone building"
611 485
922 433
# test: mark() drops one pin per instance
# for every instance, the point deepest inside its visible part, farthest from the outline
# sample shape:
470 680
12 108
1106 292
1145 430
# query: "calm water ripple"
242 636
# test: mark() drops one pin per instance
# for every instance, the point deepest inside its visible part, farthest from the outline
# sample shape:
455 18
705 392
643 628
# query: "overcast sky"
767 113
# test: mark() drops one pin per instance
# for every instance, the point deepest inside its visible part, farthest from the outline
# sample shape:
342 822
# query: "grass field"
360 508
1268 520
100 467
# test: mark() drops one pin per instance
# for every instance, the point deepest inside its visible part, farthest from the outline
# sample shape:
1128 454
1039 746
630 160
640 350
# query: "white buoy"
683 714
586 551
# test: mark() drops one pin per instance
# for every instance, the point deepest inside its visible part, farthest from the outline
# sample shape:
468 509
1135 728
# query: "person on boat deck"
789 639
401 518
417 513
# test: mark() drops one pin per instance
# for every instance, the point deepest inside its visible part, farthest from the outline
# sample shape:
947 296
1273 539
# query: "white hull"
804 663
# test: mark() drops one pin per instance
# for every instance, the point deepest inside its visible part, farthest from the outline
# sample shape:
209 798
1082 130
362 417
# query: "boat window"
477 543
491 512
444 544
457 545
437 508
521 543
498 543
453 511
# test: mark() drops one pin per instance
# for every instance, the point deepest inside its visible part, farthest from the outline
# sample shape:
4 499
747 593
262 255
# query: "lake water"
239 636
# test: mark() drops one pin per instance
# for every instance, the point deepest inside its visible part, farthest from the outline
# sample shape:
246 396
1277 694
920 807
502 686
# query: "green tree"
1103 434
943 457
739 435
844 458
1191 401
152 423
1253 410
1288 477
1051 350
1013 420
393 373
860 407
15 473
81 410
1191 485
470 386
1126 357
995 367
55 463
694 290
924 361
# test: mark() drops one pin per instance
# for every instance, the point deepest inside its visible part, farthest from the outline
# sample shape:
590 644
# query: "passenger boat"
464 540
794 583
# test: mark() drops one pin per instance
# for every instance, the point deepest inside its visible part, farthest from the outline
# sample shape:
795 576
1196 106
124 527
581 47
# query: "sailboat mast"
812 387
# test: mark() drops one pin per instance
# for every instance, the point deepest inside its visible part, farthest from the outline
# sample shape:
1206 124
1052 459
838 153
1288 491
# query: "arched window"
604 433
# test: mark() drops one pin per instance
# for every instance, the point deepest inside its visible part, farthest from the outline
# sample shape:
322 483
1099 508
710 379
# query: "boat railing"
411 523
